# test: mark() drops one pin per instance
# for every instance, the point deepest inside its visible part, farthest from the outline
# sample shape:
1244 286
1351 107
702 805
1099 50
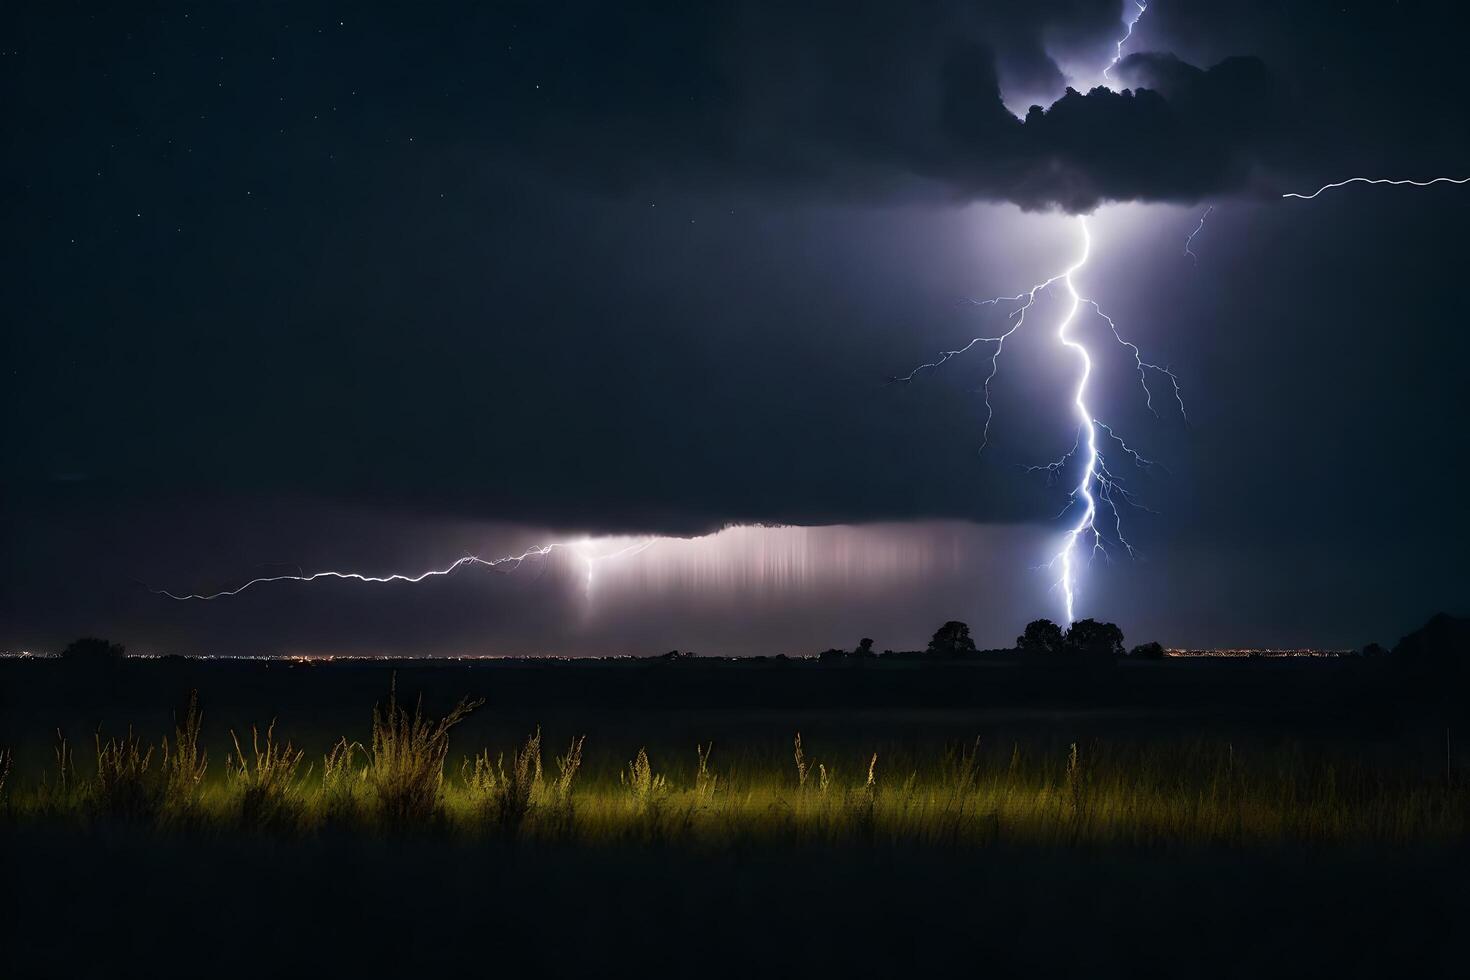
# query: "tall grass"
567 767
559 817
504 796
647 790
802 769
126 786
338 800
265 780
185 762
406 763
56 794
706 783
1161 792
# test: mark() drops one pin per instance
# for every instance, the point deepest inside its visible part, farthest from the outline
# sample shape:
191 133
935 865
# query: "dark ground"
121 906
114 902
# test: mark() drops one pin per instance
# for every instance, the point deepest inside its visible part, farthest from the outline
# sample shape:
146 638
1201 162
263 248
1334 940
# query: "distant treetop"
1041 636
1089 638
952 640
1085 638
91 649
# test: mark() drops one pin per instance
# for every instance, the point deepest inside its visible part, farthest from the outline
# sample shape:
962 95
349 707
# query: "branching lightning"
1144 366
1018 317
1380 180
1097 489
578 547
1189 242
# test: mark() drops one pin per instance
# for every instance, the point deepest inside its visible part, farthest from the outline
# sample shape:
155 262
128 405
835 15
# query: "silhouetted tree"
952 640
92 651
864 648
1147 651
1373 651
1041 636
1089 638
1438 649
95 667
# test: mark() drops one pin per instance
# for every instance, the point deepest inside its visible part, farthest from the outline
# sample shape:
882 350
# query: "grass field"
1225 819
406 777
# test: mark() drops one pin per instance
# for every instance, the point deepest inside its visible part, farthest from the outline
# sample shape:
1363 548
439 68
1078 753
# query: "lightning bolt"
1096 485
1018 315
577 546
1189 242
1380 180
1088 520
1097 489
1118 53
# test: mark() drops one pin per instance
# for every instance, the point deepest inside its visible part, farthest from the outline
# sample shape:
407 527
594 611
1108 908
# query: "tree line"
1085 639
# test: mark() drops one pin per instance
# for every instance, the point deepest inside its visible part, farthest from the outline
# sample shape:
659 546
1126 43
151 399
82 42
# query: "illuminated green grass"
406 780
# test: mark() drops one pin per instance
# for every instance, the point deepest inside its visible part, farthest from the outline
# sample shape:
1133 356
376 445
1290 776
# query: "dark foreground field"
1155 819
125 905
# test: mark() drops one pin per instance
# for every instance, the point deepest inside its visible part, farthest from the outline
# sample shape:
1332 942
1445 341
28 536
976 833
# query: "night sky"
291 286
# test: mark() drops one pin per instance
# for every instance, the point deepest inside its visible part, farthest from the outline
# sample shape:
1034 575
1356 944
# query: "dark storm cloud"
1206 133
1378 88
879 101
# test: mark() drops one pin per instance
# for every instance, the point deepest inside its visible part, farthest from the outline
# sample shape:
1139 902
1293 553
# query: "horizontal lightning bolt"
514 561
1380 180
